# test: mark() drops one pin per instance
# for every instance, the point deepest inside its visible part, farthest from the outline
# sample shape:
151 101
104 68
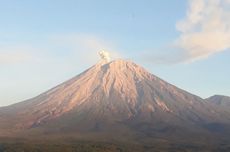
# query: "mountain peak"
116 62
117 99
124 67
114 90
118 82
121 76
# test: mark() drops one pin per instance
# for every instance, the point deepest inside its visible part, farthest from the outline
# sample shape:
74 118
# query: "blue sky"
45 42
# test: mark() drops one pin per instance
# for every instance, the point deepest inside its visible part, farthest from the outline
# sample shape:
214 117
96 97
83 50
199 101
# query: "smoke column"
104 55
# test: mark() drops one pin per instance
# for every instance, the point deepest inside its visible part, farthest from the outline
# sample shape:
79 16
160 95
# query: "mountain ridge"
114 98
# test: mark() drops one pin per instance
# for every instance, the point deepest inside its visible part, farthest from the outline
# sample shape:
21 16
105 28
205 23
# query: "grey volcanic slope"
220 100
117 100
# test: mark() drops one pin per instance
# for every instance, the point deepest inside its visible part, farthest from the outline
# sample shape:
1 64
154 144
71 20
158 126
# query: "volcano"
119 102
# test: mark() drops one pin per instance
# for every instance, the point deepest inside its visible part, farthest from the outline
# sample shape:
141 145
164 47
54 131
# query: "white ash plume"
104 55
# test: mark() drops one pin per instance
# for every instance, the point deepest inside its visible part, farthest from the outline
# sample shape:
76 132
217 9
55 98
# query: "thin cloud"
73 48
205 30
15 55
84 48
163 56
12 58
